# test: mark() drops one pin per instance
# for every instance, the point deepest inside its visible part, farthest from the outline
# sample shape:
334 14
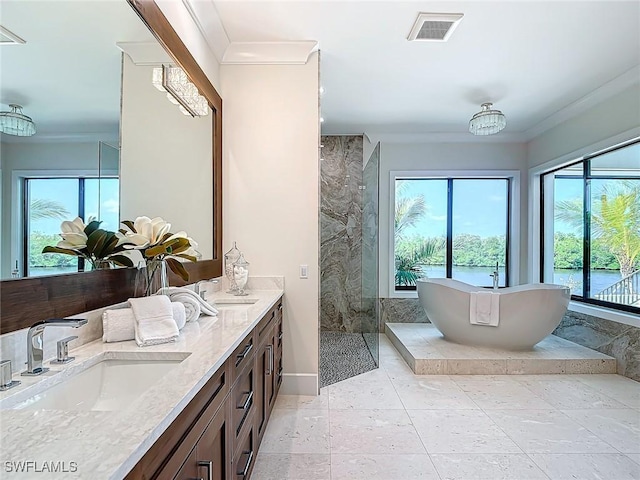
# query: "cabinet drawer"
264 327
167 455
245 455
242 356
243 398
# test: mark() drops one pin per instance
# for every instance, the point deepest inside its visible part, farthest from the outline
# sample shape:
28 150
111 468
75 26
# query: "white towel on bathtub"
484 308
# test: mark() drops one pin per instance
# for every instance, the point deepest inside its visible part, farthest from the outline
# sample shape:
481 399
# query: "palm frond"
40 209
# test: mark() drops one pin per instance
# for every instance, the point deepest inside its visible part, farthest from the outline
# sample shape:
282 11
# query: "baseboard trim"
299 384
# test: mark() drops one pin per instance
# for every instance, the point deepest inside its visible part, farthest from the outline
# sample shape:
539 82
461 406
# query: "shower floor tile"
427 352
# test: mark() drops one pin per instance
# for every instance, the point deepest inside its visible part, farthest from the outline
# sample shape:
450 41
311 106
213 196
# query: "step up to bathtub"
428 353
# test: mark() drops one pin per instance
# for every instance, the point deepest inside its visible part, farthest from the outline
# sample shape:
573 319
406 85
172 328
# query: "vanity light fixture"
487 121
16 123
180 90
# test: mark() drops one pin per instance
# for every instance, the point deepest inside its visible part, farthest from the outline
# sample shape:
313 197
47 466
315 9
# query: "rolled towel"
118 325
191 306
180 294
154 323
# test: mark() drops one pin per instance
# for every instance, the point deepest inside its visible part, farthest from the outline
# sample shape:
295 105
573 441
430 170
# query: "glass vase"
229 259
151 278
241 275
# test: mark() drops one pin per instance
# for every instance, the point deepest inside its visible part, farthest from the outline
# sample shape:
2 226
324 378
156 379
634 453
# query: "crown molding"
145 53
107 137
269 53
597 96
444 137
207 19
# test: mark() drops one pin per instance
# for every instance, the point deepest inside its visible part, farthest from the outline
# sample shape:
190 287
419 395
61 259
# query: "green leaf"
155 251
64 251
181 245
96 241
92 227
129 224
121 260
109 245
188 257
177 268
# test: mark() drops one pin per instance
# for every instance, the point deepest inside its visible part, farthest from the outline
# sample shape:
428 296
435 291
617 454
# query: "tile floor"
391 424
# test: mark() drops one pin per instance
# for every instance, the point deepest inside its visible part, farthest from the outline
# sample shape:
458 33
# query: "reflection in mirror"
67 77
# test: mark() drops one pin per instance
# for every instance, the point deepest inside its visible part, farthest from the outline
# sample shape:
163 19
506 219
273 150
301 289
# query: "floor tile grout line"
591 431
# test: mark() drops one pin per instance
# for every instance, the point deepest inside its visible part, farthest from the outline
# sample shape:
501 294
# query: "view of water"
600 279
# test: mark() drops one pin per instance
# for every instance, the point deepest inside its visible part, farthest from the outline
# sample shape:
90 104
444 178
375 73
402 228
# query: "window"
590 235
48 202
451 227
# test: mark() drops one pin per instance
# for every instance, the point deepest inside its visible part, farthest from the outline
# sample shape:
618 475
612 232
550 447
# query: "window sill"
606 313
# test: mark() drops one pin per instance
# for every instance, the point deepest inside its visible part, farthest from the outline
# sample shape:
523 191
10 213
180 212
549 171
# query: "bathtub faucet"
496 277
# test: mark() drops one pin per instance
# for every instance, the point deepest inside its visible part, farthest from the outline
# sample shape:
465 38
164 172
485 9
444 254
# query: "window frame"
513 216
22 178
586 177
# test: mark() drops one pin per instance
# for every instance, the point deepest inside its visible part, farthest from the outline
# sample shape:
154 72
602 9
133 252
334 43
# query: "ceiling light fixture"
487 121
16 123
180 90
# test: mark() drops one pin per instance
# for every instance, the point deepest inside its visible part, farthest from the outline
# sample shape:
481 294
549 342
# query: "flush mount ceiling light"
16 123
180 90
487 121
434 27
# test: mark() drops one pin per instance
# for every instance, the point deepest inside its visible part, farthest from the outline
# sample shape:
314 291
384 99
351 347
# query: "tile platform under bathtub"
428 353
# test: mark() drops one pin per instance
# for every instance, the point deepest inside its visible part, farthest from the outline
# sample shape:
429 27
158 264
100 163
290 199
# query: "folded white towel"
484 308
118 325
154 320
189 297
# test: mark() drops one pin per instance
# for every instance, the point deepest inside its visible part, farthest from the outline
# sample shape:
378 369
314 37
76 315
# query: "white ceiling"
531 59
67 75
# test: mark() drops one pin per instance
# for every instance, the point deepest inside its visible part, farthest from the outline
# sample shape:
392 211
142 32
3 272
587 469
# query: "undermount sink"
235 301
108 385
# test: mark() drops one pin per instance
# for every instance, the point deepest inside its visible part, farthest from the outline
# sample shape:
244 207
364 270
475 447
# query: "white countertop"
106 445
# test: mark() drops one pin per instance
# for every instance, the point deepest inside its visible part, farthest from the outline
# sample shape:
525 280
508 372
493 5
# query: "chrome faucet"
496 277
35 343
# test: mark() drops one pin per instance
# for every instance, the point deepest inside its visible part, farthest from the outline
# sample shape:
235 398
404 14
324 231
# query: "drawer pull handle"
242 355
270 365
247 402
209 467
245 470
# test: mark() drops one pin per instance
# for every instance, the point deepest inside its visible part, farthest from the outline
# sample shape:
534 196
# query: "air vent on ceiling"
9 38
434 27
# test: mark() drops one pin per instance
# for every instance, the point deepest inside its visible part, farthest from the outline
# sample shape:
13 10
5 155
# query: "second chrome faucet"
35 345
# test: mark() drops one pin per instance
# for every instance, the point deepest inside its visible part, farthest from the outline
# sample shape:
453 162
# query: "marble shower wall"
401 310
340 233
611 338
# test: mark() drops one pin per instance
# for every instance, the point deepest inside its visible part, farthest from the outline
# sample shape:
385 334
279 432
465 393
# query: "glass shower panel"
370 304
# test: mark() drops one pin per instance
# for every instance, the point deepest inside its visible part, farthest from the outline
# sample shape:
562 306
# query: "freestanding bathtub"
528 313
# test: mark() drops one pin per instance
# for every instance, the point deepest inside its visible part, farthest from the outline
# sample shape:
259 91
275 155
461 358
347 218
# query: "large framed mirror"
42 295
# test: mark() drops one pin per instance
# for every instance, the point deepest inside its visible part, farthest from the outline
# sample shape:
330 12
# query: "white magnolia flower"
73 236
149 232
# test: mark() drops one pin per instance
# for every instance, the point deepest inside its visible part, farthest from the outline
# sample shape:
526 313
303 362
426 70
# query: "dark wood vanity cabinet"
217 435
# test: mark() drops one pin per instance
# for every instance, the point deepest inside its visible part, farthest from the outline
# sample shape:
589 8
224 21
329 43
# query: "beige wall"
271 176
612 117
166 160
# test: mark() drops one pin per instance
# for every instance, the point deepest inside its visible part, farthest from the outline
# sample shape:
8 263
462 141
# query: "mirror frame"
24 301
